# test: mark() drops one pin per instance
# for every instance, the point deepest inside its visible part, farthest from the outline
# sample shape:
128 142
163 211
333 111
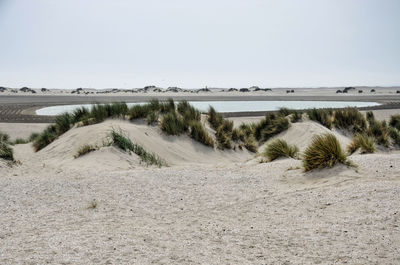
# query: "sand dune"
301 134
175 150
207 207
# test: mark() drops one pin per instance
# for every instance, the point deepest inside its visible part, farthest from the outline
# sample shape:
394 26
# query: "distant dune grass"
280 148
324 151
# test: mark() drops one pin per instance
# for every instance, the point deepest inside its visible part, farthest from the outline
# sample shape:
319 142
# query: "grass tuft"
6 152
124 143
395 135
199 133
45 138
364 142
322 116
324 151
350 119
85 149
214 118
172 124
271 125
152 118
395 121
280 148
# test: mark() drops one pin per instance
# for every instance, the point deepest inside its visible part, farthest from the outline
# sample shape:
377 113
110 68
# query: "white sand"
208 207
21 130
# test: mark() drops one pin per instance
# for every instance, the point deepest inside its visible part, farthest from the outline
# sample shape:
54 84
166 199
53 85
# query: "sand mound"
175 150
301 134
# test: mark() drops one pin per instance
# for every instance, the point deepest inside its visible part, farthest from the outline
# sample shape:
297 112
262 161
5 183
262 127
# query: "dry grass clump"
215 119
85 149
188 112
45 138
271 125
172 124
199 133
395 121
152 118
124 143
322 116
395 135
378 129
364 142
224 134
350 119
6 151
295 115
228 137
324 151
280 148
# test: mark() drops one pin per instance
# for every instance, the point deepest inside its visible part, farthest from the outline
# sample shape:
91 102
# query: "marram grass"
280 148
124 143
364 142
324 151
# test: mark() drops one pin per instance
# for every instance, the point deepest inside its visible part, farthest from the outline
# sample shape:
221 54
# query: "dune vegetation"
364 142
85 149
280 148
6 152
184 119
123 142
324 151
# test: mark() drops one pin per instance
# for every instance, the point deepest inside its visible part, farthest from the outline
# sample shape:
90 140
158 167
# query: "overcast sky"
192 44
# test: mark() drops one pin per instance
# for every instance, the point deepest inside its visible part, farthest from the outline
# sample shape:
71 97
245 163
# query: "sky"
193 44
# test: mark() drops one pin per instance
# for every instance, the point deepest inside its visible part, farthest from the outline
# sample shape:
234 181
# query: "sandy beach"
208 206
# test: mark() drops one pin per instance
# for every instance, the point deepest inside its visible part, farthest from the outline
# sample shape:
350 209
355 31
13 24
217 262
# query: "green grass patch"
172 124
364 142
324 151
271 125
395 121
280 148
45 137
199 133
6 152
322 116
123 142
350 119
